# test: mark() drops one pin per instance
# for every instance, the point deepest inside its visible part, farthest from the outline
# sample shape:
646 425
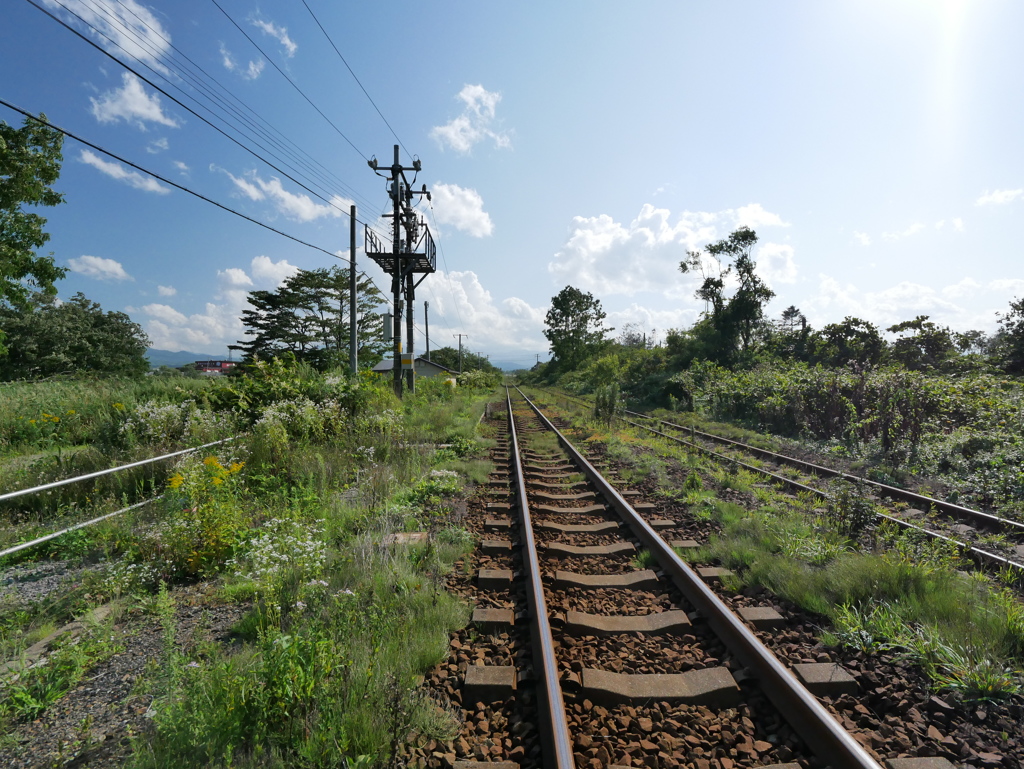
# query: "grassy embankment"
291 521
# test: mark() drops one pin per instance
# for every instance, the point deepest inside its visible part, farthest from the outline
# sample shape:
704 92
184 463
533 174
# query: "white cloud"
463 208
863 238
913 229
271 274
250 72
278 33
474 124
998 197
98 267
158 146
165 313
184 169
301 208
607 257
166 290
131 104
965 288
754 216
775 263
120 26
958 224
119 172
219 323
509 324
954 305
235 277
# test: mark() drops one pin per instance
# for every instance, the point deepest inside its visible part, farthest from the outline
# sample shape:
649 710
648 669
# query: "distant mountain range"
159 358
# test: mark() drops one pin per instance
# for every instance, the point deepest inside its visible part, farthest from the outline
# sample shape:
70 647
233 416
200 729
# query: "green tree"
852 341
574 327
928 347
30 159
308 317
471 361
48 337
733 320
1009 342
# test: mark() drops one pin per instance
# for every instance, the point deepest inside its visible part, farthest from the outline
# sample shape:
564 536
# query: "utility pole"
460 348
353 334
415 254
426 324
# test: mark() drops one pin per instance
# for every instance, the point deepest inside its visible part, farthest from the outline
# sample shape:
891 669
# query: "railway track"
635 660
922 514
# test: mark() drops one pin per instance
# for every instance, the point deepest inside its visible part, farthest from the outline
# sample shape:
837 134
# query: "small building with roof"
422 367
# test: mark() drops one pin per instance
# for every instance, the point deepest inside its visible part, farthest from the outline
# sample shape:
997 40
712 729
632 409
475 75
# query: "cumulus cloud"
958 224
913 229
954 305
219 323
271 274
184 169
166 290
998 197
122 174
98 267
158 146
131 104
278 33
301 208
775 263
862 238
462 208
249 72
475 123
607 257
508 324
120 26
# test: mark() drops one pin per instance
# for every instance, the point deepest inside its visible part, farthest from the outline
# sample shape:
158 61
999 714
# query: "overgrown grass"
925 596
295 519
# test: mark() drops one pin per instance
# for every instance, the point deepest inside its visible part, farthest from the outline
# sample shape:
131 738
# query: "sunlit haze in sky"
875 147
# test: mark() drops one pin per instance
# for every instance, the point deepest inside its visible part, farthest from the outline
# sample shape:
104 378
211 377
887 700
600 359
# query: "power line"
343 61
292 82
165 180
175 100
309 163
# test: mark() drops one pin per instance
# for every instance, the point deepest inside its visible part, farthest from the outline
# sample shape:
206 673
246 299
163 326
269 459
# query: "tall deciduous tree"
309 317
733 319
1009 342
852 341
30 159
48 337
574 327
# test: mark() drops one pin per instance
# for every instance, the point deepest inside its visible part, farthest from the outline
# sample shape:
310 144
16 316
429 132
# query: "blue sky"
873 145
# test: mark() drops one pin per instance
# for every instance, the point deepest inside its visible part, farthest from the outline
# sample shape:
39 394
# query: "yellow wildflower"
119 406
176 480
236 466
218 481
31 421
212 462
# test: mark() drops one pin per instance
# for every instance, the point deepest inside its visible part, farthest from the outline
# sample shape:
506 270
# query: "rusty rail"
554 728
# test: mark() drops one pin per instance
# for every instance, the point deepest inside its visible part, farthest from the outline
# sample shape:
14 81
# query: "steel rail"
554 726
981 556
82 525
986 519
108 471
818 728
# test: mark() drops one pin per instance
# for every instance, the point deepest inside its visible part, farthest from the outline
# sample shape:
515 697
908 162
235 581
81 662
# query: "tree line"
733 331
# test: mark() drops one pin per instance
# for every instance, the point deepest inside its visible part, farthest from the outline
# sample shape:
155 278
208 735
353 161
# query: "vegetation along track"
633 655
958 525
